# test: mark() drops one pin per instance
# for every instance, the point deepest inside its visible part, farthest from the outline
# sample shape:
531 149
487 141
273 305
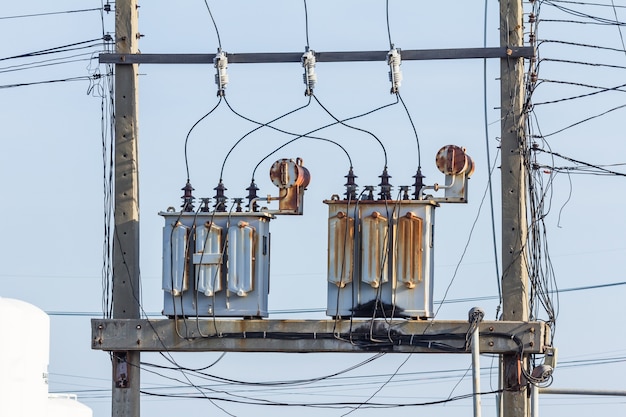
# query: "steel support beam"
237 335
347 56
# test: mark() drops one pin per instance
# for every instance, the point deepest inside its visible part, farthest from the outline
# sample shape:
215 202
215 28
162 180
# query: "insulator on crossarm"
221 78
395 75
309 77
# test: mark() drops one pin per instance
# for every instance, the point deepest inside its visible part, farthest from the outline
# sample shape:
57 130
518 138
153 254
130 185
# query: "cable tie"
411 341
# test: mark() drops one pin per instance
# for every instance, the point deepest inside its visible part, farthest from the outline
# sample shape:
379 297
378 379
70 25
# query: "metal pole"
575 391
125 364
534 400
514 225
476 315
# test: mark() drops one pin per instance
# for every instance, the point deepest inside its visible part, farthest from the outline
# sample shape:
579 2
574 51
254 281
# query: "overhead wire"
489 169
217 32
49 13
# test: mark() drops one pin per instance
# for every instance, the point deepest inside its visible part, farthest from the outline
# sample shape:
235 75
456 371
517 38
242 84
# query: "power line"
319 310
49 13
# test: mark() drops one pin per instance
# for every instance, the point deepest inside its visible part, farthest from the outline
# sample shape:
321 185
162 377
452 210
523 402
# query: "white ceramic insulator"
308 62
221 63
395 75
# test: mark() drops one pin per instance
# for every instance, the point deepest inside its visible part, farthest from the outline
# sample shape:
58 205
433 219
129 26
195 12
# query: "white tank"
67 405
24 351
24 355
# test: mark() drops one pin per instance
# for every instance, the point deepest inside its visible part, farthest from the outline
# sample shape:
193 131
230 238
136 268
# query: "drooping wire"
217 32
192 128
49 13
417 140
397 92
619 28
57 49
260 126
467 243
107 128
388 25
306 24
343 123
308 135
489 170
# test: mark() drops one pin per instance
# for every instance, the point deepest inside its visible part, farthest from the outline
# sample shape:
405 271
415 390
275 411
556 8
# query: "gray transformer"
216 264
380 258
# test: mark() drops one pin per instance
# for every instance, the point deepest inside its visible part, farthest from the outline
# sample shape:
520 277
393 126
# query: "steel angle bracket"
342 56
298 336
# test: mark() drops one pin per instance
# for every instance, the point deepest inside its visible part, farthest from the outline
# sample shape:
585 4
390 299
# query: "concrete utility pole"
514 225
125 394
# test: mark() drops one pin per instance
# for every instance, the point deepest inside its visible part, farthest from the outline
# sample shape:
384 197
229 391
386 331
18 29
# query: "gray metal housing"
216 264
380 258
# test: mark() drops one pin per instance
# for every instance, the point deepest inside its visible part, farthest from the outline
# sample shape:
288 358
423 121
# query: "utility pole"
125 390
514 225
126 335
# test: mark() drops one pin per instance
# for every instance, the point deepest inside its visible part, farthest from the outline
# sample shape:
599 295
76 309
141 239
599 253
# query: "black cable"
306 25
308 135
328 405
621 36
191 129
48 14
217 32
489 169
342 122
56 49
297 136
62 80
598 167
260 125
48 63
388 26
582 3
584 121
417 140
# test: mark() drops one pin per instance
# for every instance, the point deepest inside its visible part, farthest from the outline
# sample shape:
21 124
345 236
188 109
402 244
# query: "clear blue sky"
51 180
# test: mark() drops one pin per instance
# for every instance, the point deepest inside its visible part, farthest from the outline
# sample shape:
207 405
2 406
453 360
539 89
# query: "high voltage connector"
309 76
221 78
395 75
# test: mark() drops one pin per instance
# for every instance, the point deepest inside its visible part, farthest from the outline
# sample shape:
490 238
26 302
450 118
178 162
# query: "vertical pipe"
475 316
476 370
534 400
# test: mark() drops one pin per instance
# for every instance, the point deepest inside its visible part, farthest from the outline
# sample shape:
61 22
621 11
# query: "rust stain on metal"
291 177
452 160
340 248
374 251
409 252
